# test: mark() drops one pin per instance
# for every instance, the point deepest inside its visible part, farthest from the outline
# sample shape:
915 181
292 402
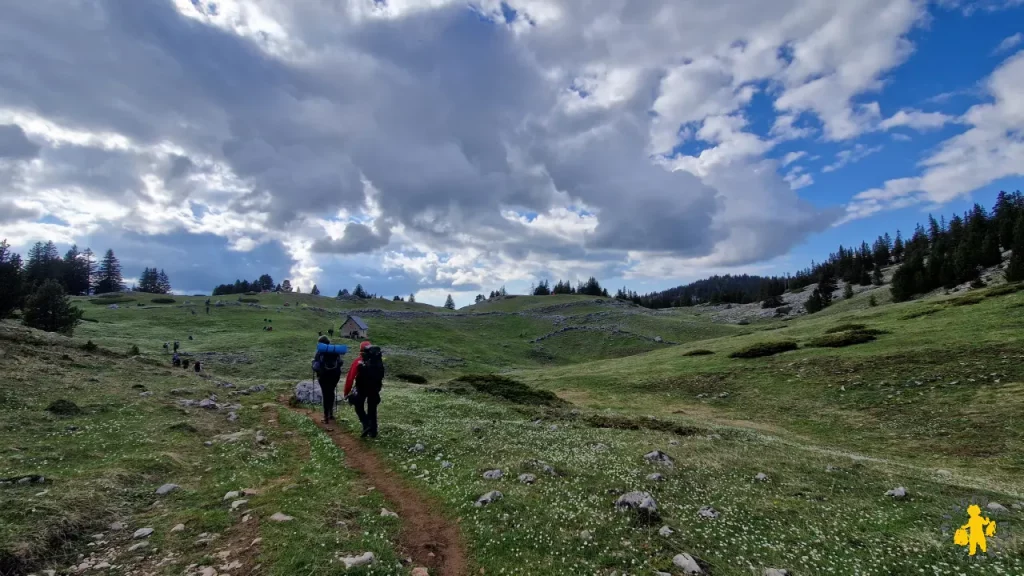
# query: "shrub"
508 389
162 300
845 328
842 339
63 407
50 309
978 283
1004 290
765 349
90 346
249 300
698 352
93 320
773 302
969 300
413 378
140 304
133 351
872 301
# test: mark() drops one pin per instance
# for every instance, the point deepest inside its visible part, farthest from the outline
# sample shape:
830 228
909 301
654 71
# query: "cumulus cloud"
467 146
850 156
917 120
1009 43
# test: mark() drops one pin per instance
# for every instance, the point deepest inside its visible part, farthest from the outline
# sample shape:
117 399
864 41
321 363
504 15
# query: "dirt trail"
424 530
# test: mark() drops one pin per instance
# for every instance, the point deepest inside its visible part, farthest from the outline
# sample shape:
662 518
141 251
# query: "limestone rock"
178 528
527 478
308 392
279 517
687 564
708 512
658 457
142 533
138 546
493 475
666 531
996 507
238 504
761 477
166 489
388 513
897 493
642 503
656 477
489 498
364 559
231 495
776 572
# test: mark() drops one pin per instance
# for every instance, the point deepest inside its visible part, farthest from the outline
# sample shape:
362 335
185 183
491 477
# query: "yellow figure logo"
973 533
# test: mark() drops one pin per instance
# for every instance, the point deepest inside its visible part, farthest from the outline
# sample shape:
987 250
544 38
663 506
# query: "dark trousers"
368 415
328 386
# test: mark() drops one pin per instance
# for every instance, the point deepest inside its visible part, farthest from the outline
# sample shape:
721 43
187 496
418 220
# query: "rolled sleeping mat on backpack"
331 348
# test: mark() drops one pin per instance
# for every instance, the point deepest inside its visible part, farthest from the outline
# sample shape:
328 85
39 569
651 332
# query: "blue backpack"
328 358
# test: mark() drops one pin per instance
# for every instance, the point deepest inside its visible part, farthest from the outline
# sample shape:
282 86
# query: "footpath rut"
424 530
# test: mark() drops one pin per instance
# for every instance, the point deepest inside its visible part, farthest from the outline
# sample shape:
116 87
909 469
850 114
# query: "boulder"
279 517
166 489
761 477
687 564
708 512
178 528
308 392
897 493
364 559
489 498
996 507
666 531
493 475
142 533
527 478
658 457
238 504
641 503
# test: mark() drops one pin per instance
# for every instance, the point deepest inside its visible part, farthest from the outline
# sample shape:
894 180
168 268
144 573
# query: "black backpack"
371 370
326 362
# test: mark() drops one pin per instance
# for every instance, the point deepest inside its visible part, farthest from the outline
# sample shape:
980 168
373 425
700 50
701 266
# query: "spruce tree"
479 298
163 283
412 298
449 303
109 275
11 285
815 303
359 292
1015 270
315 291
876 275
286 286
898 248
848 291
90 269
50 309
75 272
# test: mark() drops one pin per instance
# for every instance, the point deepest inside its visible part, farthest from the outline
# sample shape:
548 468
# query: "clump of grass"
183 427
90 346
249 300
842 339
698 352
1004 290
845 328
507 388
162 300
970 300
762 349
63 407
134 350
410 377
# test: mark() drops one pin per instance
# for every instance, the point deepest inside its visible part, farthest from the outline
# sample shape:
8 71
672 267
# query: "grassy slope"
805 519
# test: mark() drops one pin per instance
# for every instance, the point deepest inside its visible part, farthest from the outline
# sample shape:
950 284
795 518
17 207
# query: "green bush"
506 388
969 300
845 328
842 339
50 309
133 351
409 377
920 313
765 349
90 346
163 300
63 407
1004 290
698 352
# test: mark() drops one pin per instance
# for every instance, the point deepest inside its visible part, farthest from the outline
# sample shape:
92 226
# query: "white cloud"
917 120
798 179
793 157
1009 43
851 156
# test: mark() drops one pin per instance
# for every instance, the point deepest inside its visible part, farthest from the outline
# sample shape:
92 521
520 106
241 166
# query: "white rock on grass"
166 489
640 502
388 513
898 492
656 477
446 464
238 504
364 559
658 457
116 526
493 474
142 533
279 517
178 528
527 478
666 531
231 495
996 507
489 498
138 546
708 512
418 448
761 477
776 572
208 571
687 564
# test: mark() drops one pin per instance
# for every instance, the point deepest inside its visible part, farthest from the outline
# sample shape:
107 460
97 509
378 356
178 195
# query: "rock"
489 498
493 474
250 492
418 448
232 417
420 571
599 447
550 471
279 517
138 546
102 566
362 560
207 443
673 442
666 531
586 535
708 512
656 477
142 533
307 392
996 507
260 437
230 496
527 478
446 464
178 528
166 489
238 504
388 513
642 503
145 394
944 473
898 492
208 571
723 395
660 573
208 404
116 526
658 457
775 572
658 339
761 477
1017 505
687 564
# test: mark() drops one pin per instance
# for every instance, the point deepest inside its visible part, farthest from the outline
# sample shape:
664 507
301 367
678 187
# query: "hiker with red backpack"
327 367
367 374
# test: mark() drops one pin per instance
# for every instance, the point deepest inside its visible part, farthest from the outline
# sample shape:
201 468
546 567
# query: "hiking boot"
365 433
372 434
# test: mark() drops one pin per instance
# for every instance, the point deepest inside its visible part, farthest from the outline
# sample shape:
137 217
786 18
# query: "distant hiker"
330 332
184 363
176 346
189 336
197 366
367 373
175 360
166 347
327 367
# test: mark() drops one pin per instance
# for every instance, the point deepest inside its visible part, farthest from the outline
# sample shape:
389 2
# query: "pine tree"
109 275
872 301
1015 270
848 291
266 282
876 276
359 292
898 248
163 283
315 291
815 303
449 303
50 309
412 298
148 281
542 289
75 273
479 298
286 286
90 269
11 285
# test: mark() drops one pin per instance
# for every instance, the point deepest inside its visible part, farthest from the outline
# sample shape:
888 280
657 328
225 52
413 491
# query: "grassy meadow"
932 403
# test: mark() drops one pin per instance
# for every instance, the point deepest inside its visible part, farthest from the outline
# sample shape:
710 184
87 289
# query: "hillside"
931 404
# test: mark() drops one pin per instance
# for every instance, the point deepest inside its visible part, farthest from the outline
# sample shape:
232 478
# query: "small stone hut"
354 327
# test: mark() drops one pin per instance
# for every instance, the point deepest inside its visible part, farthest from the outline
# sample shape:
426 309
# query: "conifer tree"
848 291
50 309
315 291
108 278
1015 270
11 285
449 303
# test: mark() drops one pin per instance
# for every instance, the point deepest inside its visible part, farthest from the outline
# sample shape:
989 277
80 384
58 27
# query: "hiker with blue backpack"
363 384
327 367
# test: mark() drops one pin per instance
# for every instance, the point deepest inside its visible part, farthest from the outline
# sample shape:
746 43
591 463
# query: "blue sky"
444 146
